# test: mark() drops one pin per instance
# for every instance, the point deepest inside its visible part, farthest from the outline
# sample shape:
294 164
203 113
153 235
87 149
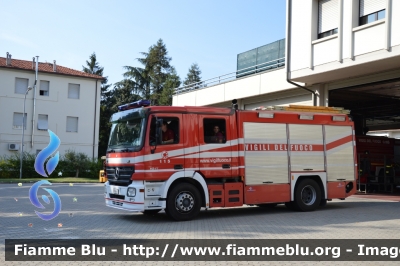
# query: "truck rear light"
338 118
306 117
266 115
349 187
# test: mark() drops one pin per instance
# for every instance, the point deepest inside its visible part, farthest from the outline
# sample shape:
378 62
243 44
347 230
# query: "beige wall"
57 106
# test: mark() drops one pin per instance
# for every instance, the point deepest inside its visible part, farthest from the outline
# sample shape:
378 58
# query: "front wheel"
307 195
183 202
323 203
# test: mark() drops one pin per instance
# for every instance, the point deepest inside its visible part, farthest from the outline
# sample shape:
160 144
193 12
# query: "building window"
328 17
21 85
17 121
43 122
73 91
372 17
214 130
72 124
372 10
44 88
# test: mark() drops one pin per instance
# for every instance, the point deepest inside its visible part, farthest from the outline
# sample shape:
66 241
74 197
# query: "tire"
183 202
151 212
323 203
307 195
268 205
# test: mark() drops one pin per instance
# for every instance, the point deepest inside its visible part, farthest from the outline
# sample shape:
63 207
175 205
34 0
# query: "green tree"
172 82
149 80
106 98
124 92
193 76
78 161
140 81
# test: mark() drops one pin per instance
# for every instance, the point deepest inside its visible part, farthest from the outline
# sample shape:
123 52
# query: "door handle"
178 166
342 179
226 166
268 182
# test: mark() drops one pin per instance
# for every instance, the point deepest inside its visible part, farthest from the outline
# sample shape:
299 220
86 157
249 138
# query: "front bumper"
116 197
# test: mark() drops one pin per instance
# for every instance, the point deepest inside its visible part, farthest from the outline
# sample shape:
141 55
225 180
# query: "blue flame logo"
45 153
50 166
35 201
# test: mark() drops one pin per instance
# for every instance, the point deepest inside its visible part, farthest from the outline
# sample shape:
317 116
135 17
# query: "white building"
66 101
347 52
350 55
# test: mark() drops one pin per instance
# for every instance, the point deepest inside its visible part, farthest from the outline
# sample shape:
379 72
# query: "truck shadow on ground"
332 213
255 222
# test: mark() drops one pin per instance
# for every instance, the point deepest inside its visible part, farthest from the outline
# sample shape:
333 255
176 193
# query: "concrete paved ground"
86 217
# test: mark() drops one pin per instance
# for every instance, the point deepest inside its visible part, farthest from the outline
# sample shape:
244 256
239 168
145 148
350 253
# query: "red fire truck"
223 157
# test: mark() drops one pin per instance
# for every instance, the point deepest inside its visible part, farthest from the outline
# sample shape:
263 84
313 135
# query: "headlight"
131 192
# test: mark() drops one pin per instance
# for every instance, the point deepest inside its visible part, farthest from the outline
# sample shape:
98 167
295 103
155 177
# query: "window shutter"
73 91
44 87
328 15
371 6
17 120
72 124
21 85
43 122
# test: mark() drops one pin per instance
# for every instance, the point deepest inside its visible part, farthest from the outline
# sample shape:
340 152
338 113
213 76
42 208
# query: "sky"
208 32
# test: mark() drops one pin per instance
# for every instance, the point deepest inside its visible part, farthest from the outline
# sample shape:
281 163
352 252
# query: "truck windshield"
126 135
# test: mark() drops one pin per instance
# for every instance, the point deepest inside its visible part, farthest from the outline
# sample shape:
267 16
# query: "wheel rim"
308 195
184 202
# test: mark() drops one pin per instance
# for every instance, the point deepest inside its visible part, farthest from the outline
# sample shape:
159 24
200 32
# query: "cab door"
167 158
215 158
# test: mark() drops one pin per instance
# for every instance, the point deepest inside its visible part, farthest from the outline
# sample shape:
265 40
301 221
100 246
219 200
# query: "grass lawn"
51 180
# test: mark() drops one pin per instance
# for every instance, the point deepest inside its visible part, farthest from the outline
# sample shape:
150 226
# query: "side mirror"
158 140
234 104
159 122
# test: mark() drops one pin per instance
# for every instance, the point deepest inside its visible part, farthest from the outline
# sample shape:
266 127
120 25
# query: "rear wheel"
183 202
307 195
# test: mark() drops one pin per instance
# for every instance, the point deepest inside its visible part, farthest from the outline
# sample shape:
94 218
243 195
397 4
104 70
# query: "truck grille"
114 196
120 176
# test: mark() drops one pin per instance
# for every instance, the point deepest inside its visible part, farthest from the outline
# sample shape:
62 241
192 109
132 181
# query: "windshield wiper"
110 151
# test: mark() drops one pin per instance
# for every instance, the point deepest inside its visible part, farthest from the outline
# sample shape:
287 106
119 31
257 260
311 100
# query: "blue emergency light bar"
137 104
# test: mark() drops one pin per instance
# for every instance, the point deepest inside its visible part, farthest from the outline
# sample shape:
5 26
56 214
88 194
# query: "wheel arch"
190 177
320 178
